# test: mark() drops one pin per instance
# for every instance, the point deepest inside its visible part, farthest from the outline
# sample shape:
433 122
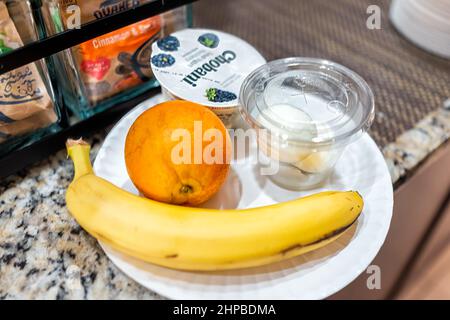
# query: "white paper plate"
424 22
315 275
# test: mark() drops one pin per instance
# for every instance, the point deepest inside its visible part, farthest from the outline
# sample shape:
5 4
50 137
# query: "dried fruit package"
116 61
25 104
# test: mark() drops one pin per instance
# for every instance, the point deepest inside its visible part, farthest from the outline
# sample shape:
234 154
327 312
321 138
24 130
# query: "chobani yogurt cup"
206 67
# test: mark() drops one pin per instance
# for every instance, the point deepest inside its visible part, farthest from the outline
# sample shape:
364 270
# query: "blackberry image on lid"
217 95
209 40
206 67
169 43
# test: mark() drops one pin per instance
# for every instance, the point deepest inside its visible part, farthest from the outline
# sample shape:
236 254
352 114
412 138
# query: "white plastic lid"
313 102
204 66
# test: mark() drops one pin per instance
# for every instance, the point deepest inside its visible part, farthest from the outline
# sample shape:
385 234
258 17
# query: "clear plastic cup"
305 111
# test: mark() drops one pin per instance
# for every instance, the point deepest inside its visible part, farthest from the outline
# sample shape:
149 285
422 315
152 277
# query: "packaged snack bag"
116 61
22 91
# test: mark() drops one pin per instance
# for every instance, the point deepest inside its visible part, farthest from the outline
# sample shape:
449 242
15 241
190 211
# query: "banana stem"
78 151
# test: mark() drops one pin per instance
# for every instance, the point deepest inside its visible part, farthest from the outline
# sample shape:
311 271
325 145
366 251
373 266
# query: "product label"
204 66
22 91
119 60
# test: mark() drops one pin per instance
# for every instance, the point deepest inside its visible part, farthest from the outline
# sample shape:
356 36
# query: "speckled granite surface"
44 254
413 146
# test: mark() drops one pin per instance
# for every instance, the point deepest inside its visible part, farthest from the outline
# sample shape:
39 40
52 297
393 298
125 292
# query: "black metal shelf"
67 39
49 144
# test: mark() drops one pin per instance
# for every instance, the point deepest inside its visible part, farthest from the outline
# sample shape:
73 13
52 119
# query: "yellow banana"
204 239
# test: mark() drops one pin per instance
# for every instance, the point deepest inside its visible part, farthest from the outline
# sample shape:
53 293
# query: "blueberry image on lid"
163 60
217 95
169 43
209 40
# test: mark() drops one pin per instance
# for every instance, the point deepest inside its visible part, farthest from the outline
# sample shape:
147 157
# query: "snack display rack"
47 46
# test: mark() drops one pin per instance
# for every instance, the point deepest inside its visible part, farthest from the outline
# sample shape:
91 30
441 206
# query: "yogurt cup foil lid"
204 66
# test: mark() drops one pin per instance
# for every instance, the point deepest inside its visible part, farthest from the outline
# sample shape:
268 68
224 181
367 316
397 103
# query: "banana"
204 239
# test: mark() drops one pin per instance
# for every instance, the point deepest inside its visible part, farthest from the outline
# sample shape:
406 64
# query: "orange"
178 152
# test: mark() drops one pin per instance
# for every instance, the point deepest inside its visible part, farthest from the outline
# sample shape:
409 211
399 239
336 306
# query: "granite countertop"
44 254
